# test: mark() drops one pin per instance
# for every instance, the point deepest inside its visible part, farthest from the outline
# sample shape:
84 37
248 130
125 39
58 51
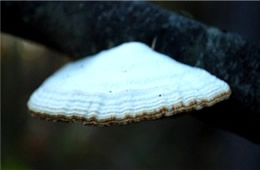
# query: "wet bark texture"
79 29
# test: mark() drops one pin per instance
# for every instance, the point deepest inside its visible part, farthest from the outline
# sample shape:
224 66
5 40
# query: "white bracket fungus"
125 84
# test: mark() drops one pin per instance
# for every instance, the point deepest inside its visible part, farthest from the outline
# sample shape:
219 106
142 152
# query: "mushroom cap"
127 83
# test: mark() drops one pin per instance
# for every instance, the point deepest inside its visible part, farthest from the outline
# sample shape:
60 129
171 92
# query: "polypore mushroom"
125 84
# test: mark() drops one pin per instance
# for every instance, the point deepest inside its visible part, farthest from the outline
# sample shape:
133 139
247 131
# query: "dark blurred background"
176 142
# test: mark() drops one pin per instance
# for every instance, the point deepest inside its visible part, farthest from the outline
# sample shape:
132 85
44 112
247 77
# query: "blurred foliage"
176 142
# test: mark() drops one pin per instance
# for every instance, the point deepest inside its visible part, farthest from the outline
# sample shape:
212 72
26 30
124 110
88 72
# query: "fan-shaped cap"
125 84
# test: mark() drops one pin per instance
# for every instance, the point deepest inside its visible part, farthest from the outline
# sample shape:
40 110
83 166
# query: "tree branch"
84 28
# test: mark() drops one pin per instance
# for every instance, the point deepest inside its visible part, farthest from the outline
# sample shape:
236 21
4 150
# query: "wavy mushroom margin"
157 114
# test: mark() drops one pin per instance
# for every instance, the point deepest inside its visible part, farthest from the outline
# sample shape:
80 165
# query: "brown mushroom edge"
158 113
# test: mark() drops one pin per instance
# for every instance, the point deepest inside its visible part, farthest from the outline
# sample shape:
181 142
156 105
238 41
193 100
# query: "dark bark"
84 28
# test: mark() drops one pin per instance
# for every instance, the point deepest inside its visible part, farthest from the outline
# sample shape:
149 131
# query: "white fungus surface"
131 79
